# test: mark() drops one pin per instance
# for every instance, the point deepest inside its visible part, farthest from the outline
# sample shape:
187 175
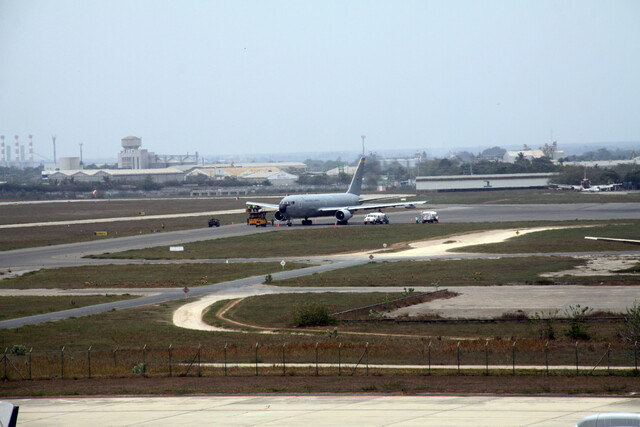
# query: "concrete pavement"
318 410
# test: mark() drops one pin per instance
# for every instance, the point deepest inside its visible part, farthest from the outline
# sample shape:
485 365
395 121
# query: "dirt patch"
602 265
388 384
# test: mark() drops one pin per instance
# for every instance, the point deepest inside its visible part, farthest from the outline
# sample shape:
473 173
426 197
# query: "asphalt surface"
71 254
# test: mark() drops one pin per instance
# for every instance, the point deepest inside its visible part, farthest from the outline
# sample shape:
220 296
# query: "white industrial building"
127 175
512 156
252 174
483 182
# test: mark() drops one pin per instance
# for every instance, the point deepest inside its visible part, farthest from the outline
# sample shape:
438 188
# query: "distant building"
349 170
252 174
512 156
128 175
483 182
132 157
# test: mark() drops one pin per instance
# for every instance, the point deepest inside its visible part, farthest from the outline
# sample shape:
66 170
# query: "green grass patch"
319 241
278 311
566 240
21 213
142 275
442 273
26 237
22 306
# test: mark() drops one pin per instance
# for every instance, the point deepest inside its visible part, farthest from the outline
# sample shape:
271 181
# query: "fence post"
89 360
225 359
577 372
458 356
609 359
366 351
30 362
635 357
144 360
284 363
170 373
429 357
62 363
486 357
339 367
316 359
5 363
256 359
546 356
513 358
199 372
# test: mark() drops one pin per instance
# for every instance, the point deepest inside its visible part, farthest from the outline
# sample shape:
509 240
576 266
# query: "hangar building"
483 182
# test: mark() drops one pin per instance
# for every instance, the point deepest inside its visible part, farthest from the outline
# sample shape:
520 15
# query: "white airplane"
585 186
340 205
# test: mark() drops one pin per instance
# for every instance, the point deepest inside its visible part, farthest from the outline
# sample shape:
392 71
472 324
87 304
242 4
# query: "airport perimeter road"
296 410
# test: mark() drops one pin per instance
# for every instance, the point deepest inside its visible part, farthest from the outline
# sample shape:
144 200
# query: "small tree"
577 327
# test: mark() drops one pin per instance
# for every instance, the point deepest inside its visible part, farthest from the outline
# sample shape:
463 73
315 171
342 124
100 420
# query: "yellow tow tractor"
257 216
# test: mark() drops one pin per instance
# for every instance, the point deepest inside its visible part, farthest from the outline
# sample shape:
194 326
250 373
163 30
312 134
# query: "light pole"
363 137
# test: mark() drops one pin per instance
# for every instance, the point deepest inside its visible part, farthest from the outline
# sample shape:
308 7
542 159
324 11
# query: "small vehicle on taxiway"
214 221
376 218
427 216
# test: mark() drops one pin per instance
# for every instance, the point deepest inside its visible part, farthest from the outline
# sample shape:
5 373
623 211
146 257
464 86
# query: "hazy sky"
222 77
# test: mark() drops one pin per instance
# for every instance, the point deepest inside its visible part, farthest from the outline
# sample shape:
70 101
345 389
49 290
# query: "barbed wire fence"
476 356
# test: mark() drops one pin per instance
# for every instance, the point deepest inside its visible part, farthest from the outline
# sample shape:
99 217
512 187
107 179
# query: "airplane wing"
265 206
565 187
608 186
611 239
408 205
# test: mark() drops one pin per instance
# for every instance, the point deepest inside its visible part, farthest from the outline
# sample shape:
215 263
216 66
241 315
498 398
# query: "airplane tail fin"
356 182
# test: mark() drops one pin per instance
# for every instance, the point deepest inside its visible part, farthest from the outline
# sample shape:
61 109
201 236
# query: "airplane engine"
343 215
280 216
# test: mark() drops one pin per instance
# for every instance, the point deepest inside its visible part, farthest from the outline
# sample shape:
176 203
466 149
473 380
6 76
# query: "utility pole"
81 154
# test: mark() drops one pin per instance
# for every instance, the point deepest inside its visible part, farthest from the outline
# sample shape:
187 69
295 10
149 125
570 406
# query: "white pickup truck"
428 216
376 218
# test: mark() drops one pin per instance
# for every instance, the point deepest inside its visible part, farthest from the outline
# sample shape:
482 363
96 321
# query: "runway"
326 410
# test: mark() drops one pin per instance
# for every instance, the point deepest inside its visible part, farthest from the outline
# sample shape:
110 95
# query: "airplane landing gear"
306 221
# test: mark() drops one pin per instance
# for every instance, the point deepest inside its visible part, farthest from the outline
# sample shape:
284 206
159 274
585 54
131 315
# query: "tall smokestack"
31 148
54 151
17 145
4 155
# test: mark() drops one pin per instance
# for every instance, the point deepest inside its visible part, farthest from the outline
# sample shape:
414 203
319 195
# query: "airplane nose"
282 208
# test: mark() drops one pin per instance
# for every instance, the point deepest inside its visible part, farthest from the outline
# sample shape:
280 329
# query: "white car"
376 218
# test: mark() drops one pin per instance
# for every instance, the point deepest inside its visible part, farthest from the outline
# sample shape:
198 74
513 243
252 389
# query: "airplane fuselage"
312 205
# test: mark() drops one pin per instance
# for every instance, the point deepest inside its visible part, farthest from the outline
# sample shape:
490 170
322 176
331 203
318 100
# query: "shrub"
577 327
312 314
19 350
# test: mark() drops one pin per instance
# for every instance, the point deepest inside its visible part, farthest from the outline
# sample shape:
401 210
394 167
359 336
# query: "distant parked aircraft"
585 186
340 205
